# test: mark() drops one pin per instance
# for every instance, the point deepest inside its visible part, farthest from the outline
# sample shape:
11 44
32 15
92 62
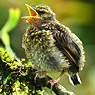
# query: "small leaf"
8 78
14 16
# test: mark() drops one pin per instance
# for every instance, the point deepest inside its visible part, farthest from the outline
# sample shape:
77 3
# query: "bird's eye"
41 12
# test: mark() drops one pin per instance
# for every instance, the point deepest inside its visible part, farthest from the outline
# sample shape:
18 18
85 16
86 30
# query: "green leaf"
14 16
8 78
5 39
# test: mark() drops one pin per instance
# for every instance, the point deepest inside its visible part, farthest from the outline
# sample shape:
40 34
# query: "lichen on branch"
17 77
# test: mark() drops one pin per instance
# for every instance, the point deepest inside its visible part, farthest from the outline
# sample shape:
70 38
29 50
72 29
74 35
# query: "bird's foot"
53 82
39 74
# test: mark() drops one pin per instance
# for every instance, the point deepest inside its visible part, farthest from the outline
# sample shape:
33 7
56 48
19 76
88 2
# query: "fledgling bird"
51 46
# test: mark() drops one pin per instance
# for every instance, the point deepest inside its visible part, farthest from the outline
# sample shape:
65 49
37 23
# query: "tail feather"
74 80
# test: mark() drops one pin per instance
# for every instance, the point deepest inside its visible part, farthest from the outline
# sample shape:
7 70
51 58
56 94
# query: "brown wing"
69 49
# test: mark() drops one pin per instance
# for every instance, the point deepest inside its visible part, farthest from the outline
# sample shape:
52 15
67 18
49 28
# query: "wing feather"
68 48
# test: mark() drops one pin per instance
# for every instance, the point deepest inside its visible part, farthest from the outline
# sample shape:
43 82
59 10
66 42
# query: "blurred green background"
78 15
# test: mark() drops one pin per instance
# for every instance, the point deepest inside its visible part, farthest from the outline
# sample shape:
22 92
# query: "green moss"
16 76
7 59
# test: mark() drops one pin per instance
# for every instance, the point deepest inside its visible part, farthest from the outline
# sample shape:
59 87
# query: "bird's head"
39 13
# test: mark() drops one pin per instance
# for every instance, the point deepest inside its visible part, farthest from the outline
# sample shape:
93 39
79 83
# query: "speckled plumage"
51 46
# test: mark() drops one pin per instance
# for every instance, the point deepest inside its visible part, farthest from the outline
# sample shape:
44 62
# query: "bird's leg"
38 73
53 82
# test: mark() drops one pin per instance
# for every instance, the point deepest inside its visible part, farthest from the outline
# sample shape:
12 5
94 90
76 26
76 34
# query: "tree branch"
17 72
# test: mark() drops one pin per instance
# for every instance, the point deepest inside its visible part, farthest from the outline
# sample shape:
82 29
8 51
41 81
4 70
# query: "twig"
26 74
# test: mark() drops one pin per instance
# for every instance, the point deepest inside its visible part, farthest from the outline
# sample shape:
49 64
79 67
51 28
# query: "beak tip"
24 18
32 12
26 4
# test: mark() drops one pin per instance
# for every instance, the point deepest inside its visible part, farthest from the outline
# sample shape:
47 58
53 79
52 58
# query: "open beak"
32 12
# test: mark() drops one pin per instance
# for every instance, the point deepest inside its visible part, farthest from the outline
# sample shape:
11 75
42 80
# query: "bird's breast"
41 50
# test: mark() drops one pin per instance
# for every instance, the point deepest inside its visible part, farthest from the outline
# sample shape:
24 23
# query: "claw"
53 82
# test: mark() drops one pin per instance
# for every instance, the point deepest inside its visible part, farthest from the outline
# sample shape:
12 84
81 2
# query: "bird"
51 46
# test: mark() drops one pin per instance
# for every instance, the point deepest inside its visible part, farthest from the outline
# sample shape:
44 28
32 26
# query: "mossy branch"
16 74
